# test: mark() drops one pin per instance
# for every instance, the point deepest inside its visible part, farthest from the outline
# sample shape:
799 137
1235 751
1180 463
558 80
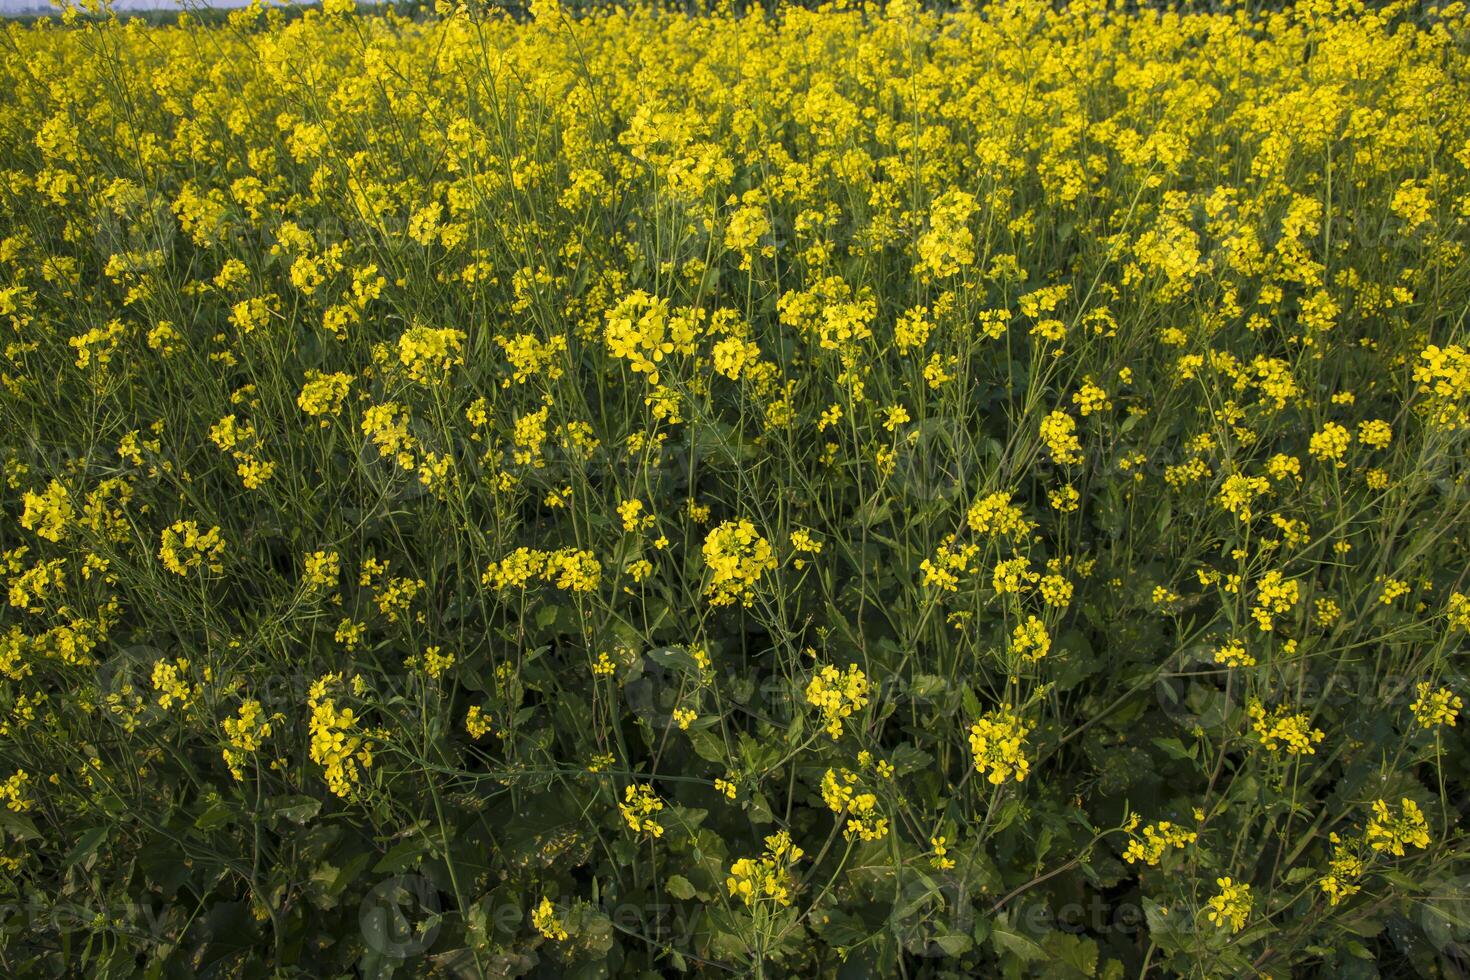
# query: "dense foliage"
854 492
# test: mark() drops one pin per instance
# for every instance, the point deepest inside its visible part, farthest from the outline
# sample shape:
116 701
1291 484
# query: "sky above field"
43 6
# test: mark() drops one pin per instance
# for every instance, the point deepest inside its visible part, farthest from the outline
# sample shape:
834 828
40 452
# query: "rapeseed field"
868 491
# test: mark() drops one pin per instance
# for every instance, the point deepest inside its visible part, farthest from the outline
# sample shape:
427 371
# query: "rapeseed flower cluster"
837 694
737 557
1232 905
767 878
1282 729
244 734
844 796
1389 832
639 807
185 547
1155 841
338 742
997 742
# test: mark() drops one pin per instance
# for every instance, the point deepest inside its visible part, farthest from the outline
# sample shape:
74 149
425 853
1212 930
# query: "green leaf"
676 658
1174 748
707 745
86 847
906 759
679 887
1005 815
218 814
1298 875
297 809
402 857
1071 955
18 826
954 944
927 686
1402 881
1008 941
970 702
759 809
1367 928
